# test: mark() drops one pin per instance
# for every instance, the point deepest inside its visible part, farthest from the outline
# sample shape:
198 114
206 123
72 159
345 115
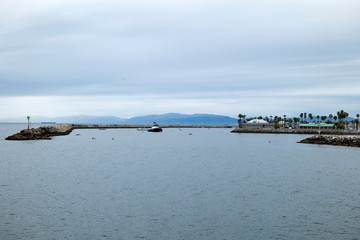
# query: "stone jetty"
350 141
46 132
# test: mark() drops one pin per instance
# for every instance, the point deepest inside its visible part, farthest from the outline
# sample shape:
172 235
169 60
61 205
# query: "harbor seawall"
46 132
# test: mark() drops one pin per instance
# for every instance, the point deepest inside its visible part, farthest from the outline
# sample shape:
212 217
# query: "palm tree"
284 116
241 116
296 120
318 117
277 119
341 114
335 118
330 116
305 117
346 120
271 118
301 116
310 116
323 118
357 123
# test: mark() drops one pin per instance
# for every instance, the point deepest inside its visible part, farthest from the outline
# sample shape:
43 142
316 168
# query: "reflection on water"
128 184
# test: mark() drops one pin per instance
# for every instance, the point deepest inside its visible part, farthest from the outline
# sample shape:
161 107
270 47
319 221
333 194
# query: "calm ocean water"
212 184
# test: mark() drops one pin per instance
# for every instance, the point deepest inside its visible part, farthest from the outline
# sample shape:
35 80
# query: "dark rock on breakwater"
46 132
350 141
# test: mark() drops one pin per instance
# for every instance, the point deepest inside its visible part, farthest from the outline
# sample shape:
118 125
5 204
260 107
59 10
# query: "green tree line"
340 119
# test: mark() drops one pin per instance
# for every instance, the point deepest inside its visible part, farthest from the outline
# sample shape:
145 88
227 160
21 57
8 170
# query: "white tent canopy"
261 121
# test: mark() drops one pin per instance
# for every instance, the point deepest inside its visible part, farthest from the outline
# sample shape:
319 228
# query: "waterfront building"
316 126
283 124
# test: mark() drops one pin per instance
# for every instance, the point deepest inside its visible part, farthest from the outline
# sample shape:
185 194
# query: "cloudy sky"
136 57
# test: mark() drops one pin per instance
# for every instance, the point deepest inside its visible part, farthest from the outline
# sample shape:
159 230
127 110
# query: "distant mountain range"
169 118
185 119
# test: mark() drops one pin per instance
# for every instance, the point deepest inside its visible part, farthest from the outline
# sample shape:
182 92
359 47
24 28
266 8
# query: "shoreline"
297 131
49 131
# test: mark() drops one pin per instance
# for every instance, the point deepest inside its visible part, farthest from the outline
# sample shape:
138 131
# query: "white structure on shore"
257 124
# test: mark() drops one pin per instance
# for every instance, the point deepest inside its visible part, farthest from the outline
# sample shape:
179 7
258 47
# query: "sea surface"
212 184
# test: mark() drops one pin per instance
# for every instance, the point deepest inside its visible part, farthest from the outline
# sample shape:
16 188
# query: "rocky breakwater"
44 132
350 141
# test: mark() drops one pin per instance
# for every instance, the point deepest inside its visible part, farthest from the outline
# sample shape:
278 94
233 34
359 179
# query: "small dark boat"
155 128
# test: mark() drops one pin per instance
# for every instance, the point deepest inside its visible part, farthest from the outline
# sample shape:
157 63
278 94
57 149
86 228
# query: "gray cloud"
185 49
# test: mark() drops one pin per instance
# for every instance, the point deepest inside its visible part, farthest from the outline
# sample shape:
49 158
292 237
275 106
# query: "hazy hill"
81 119
169 118
177 118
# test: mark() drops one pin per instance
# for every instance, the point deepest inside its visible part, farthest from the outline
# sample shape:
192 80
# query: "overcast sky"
138 57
